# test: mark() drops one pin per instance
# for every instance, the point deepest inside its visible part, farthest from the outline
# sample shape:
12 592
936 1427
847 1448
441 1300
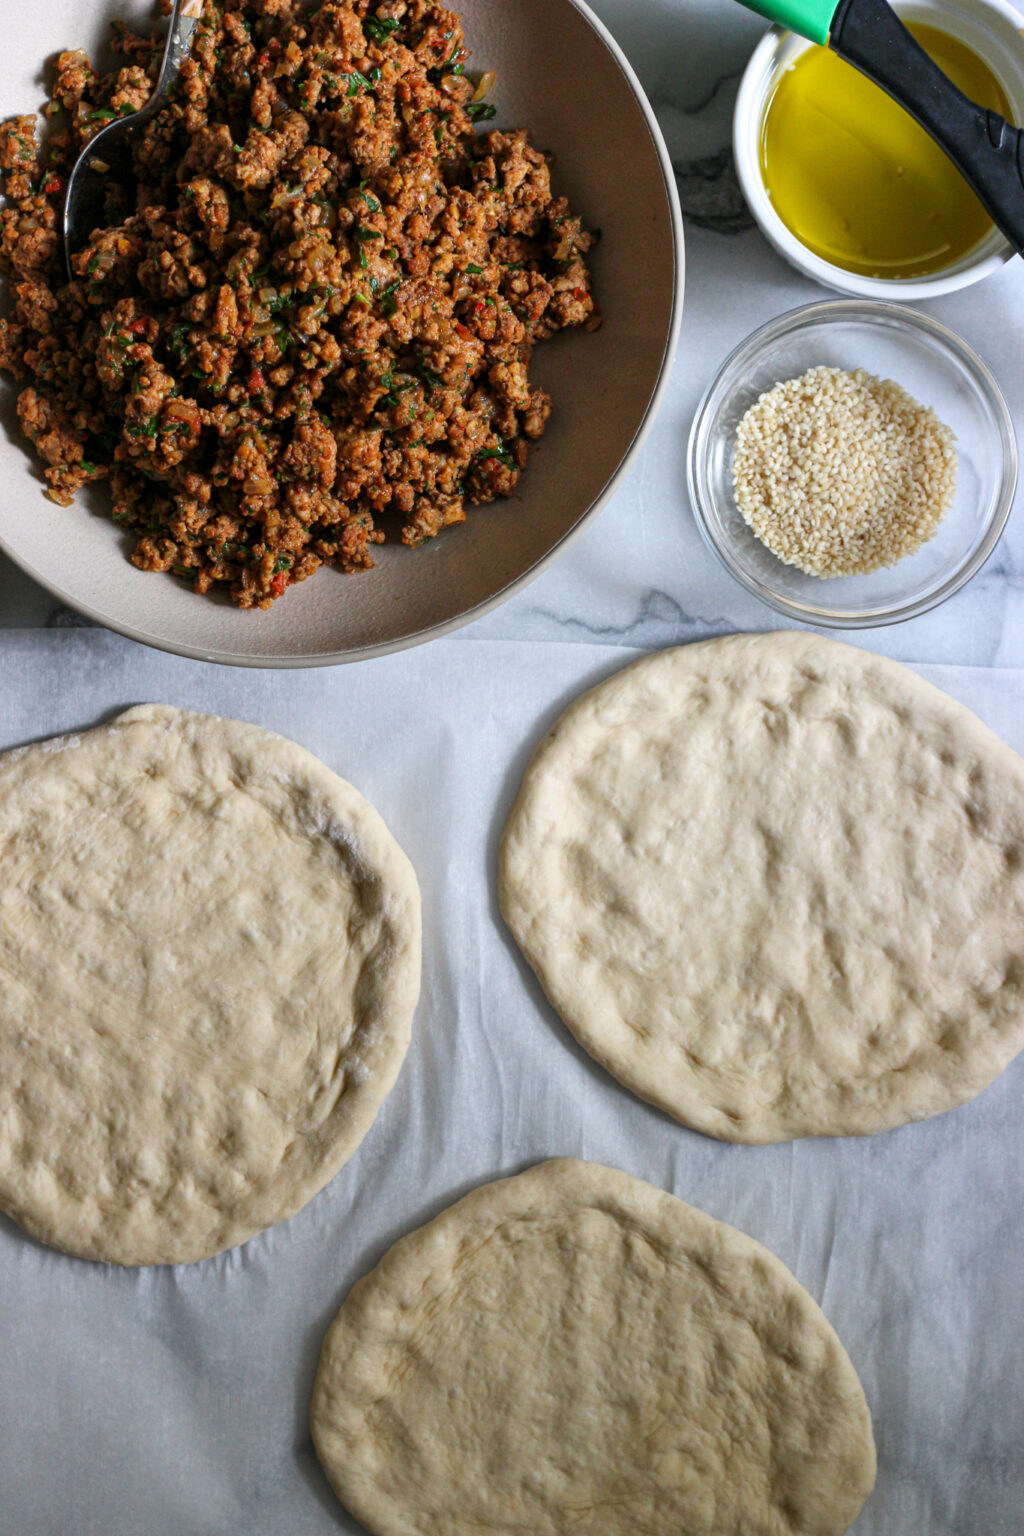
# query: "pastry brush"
868 34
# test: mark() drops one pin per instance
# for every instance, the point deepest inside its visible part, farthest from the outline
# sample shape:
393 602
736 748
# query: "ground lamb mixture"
317 323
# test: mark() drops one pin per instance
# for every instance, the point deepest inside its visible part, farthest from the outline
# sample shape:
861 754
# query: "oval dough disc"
573 1350
209 961
776 886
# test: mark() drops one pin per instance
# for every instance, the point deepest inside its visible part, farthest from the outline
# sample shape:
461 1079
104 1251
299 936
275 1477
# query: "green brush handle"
868 34
809 18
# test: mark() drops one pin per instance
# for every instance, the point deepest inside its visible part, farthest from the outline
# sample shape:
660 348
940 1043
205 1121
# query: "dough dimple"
209 961
574 1349
774 885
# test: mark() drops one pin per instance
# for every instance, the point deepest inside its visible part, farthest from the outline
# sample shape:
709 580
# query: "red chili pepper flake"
579 293
256 381
278 585
53 184
138 327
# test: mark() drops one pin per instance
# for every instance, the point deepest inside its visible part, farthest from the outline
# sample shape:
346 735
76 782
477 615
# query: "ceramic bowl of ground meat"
380 328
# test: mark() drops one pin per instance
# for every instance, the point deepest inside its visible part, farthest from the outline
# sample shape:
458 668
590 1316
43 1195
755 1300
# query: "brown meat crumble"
323 308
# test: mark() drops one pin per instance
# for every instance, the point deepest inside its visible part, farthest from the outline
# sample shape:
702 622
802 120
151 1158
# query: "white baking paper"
173 1402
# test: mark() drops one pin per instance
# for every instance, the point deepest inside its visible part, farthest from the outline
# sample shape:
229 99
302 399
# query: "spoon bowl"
106 162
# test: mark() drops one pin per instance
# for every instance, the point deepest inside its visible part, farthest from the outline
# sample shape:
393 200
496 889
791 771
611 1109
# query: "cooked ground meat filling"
322 311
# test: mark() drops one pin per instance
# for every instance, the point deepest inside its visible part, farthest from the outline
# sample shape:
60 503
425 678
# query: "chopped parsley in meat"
319 321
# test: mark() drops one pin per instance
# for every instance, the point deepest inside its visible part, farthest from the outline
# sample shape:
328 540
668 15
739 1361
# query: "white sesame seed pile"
842 473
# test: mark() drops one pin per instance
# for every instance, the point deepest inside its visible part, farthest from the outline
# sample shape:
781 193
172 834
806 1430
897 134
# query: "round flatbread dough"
209 961
776 886
573 1349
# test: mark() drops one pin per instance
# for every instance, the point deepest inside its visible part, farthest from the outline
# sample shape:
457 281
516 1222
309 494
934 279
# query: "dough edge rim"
367 1097
791 645
570 1185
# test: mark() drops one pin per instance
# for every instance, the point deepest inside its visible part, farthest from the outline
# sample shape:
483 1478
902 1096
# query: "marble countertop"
689 57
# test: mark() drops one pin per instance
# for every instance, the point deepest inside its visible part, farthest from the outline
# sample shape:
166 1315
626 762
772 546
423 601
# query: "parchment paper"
174 1401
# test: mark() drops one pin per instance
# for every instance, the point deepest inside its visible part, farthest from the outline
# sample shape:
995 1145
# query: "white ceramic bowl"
992 28
559 73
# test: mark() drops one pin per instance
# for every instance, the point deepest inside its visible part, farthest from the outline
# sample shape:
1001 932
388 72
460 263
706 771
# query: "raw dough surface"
209 962
574 1350
776 886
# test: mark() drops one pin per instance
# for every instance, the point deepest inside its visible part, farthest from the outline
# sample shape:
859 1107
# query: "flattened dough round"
572 1349
776 886
209 962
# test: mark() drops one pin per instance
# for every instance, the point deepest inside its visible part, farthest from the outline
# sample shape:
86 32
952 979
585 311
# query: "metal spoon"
108 157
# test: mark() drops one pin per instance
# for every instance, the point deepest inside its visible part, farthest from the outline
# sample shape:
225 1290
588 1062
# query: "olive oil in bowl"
855 179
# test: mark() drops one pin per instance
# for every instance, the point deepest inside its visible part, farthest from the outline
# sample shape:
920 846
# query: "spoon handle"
184 20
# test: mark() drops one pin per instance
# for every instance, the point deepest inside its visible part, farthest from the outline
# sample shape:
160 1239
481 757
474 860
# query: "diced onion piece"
486 85
259 487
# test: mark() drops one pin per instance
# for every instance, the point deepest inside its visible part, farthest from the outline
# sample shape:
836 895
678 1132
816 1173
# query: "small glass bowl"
936 368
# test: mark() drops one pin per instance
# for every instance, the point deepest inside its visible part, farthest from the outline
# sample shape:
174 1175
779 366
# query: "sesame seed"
843 473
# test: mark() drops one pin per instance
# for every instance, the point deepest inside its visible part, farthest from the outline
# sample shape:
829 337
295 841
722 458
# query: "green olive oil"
855 179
